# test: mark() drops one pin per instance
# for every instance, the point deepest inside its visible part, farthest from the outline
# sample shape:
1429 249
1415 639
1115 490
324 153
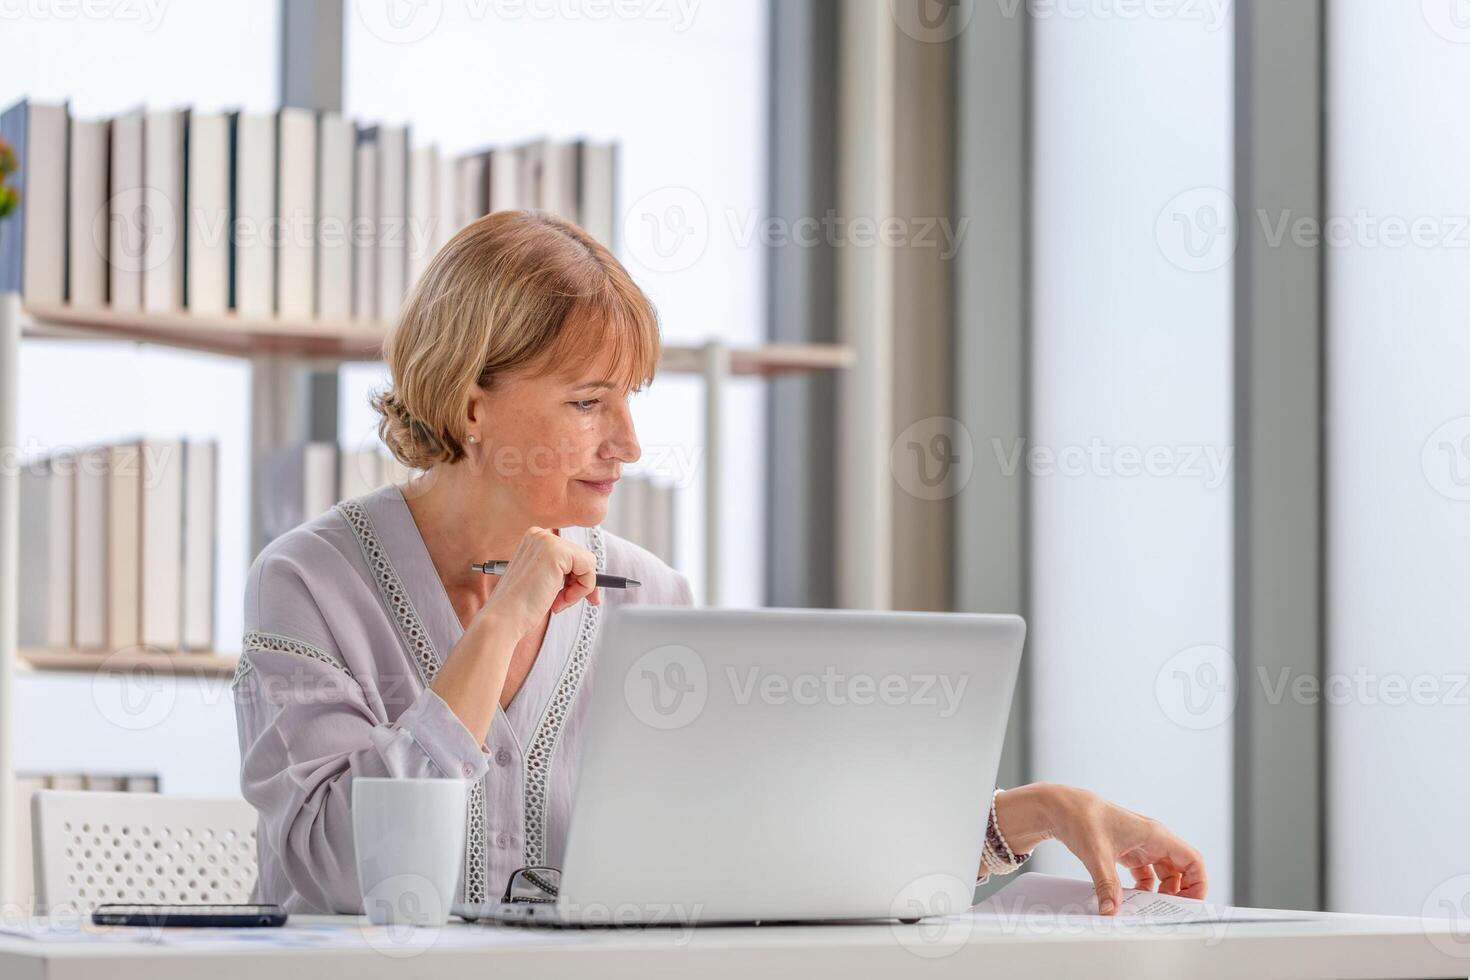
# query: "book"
46 504
660 536
208 214
360 471
201 465
253 188
87 222
161 544
532 159
89 551
597 198
33 237
423 216
365 226
124 524
165 133
128 218
392 220
445 207
299 482
505 181
336 152
102 782
472 202
560 163
296 213
631 521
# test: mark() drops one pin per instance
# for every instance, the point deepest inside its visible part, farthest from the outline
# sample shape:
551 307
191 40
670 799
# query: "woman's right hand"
547 572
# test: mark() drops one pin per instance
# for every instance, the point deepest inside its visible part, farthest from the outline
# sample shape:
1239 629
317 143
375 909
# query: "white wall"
1132 352
180 729
682 88
1399 457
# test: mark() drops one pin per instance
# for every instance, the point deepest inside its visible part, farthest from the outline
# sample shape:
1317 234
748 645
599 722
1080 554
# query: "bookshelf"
318 340
158 661
237 336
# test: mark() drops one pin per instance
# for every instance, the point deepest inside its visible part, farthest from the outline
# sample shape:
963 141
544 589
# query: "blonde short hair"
514 290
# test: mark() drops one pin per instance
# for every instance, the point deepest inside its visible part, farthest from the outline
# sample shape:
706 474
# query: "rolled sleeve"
442 737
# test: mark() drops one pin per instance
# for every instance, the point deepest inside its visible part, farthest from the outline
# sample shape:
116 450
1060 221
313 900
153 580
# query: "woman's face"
553 446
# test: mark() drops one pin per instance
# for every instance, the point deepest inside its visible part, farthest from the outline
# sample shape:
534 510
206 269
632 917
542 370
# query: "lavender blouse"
346 623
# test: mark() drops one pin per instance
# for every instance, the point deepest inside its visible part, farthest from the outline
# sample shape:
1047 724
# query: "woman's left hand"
1103 835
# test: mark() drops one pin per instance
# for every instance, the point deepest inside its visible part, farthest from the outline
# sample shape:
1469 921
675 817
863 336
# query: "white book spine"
296 213
89 543
423 216
392 220
128 218
337 146
45 204
200 465
164 135
505 181
446 206
365 233
161 544
471 189
597 203
255 209
319 478
34 554
207 224
62 483
124 567
88 224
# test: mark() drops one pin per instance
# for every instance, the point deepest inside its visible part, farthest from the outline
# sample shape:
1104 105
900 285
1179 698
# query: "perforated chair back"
93 847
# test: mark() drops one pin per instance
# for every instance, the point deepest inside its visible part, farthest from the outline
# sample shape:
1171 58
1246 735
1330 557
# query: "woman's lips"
601 486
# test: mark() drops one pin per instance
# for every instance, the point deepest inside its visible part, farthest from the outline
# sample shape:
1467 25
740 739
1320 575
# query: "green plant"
9 196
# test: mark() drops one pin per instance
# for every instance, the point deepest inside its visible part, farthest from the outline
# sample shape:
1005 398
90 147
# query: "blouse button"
469 770
502 757
502 840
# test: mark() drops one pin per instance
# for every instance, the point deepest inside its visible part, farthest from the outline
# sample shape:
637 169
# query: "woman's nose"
623 441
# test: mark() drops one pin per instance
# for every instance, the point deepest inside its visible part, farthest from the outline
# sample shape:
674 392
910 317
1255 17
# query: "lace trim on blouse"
255 640
421 651
548 730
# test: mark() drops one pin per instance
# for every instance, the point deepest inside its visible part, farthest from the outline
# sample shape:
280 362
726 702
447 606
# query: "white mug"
409 837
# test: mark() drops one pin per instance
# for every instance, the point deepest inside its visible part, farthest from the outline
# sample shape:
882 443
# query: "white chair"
93 847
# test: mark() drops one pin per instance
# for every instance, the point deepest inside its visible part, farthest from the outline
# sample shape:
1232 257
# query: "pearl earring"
474 439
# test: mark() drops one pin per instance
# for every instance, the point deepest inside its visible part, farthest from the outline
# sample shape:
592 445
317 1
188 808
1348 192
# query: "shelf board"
229 334
238 336
162 661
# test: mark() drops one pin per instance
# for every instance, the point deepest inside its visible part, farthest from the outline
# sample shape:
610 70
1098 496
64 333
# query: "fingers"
1104 871
1180 867
1144 877
579 567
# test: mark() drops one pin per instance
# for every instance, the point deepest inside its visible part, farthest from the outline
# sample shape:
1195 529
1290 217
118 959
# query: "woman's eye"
586 405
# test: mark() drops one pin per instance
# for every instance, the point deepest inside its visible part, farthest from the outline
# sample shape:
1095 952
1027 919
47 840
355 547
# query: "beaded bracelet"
997 857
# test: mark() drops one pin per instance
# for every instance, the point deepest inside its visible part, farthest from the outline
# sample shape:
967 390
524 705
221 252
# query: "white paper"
1034 895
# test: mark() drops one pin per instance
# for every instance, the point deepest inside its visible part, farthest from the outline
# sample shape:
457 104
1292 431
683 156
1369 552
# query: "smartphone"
189 915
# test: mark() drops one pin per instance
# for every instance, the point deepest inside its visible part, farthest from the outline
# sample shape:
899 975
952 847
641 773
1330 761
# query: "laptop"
743 766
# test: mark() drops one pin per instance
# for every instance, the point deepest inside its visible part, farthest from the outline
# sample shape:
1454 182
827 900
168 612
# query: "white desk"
1336 947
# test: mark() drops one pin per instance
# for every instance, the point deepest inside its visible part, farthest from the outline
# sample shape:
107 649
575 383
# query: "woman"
373 649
